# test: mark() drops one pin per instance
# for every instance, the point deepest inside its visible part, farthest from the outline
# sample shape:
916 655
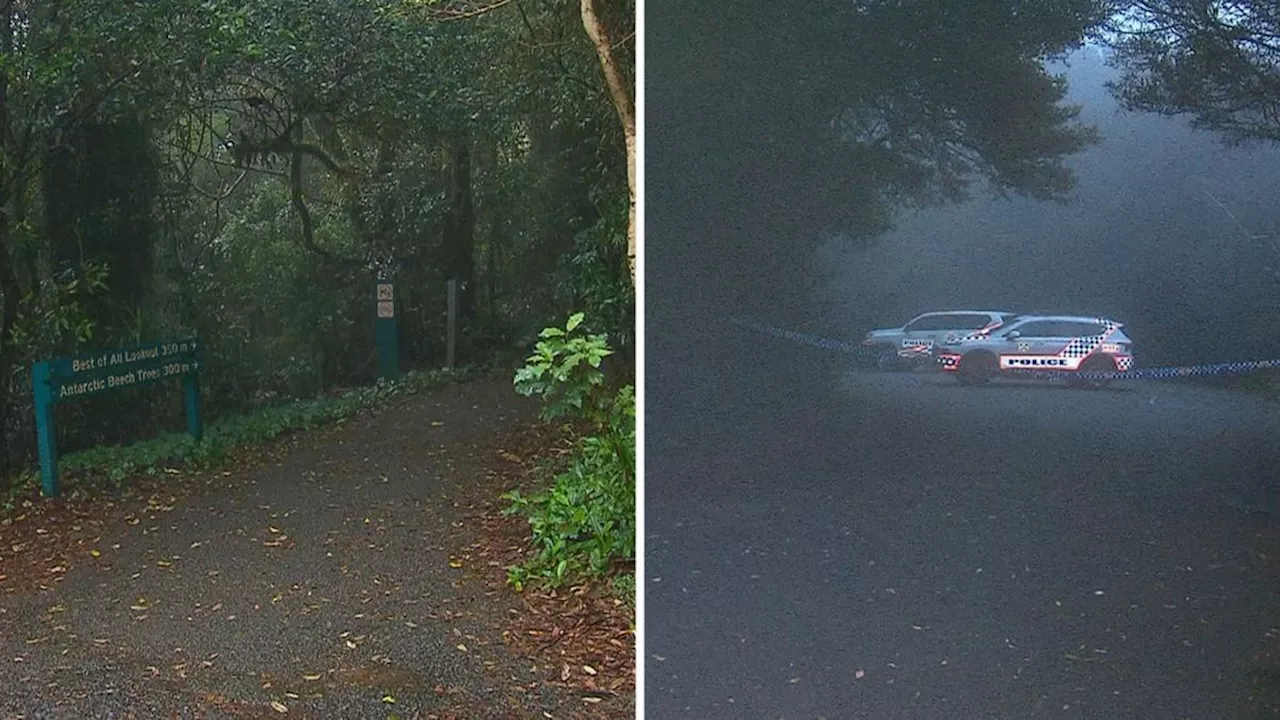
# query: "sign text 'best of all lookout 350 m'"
124 368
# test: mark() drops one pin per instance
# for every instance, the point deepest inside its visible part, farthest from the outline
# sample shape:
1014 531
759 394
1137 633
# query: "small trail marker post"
67 378
451 352
387 334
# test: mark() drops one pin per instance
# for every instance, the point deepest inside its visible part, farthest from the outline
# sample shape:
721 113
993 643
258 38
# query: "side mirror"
1013 334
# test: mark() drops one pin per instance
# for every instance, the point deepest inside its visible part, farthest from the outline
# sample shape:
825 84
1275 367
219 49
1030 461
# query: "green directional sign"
91 374
68 378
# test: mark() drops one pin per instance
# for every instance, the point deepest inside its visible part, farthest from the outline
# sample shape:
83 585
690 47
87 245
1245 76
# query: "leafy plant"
585 521
564 370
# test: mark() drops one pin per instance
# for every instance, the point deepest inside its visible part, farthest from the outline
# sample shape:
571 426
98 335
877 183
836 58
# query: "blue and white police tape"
1158 373
806 338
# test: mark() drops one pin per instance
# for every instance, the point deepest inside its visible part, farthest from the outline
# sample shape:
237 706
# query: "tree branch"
304 214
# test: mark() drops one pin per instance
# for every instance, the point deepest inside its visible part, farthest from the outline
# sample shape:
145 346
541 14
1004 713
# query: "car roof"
969 312
1069 318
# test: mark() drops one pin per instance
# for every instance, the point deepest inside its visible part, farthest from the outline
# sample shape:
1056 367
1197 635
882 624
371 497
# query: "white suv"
1040 344
913 343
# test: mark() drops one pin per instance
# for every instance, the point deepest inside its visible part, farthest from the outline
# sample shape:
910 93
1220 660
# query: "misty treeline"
237 169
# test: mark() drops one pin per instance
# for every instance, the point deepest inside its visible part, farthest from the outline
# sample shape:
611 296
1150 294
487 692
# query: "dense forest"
241 170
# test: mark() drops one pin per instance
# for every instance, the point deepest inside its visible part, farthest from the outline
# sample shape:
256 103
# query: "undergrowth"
111 466
623 587
585 522
1265 383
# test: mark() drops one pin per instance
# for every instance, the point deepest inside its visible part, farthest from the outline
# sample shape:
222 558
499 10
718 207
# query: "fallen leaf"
388 699
455 563
279 707
462 647
588 670
311 678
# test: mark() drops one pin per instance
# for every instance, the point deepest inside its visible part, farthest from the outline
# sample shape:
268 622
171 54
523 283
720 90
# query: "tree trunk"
460 241
10 292
622 102
492 209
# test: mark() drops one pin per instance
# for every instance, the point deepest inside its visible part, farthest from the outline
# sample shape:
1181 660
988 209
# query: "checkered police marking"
1081 347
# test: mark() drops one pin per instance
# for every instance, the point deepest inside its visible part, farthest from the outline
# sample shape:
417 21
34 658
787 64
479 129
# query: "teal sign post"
68 378
387 334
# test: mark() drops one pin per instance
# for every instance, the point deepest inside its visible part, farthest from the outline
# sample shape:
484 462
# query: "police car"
1039 343
913 343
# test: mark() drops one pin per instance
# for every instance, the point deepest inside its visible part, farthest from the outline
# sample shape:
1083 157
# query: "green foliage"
623 586
595 275
239 168
99 194
564 370
173 451
585 521
54 317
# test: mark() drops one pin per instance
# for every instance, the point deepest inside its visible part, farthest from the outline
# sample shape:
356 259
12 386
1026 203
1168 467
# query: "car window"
1081 329
1039 328
974 322
929 323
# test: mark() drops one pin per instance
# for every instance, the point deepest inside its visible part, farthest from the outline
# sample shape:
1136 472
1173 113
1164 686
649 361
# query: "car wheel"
887 359
976 368
1096 363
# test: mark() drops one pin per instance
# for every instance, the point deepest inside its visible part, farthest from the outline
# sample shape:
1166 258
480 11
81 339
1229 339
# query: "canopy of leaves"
1217 61
830 117
239 168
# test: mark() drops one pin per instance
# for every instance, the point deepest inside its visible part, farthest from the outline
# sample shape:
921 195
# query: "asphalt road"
829 543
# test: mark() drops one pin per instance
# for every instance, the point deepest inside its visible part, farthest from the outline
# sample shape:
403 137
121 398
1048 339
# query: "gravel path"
324 584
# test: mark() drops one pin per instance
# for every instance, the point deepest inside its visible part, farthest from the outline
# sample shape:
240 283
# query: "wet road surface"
833 543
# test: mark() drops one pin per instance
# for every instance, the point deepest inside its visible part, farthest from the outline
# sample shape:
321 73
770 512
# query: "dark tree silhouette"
788 121
1215 60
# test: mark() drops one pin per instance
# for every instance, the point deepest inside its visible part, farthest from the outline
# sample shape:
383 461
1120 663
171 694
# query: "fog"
1141 239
